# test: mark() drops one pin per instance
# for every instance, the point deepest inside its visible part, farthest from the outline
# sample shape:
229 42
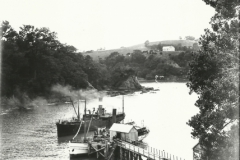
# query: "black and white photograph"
119 79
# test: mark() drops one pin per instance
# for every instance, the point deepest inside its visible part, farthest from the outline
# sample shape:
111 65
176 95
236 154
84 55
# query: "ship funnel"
114 113
100 108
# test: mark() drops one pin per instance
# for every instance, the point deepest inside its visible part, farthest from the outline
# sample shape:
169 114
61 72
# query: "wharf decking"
148 152
123 150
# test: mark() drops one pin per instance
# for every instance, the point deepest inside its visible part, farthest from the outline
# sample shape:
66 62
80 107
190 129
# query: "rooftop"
124 128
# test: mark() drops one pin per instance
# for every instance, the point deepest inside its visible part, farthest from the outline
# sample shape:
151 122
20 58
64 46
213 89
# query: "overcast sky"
93 24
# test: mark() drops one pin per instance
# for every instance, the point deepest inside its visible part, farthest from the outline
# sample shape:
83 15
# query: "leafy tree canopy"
190 38
33 60
214 76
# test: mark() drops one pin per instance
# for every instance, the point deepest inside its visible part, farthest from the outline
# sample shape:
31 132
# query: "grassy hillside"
103 54
186 43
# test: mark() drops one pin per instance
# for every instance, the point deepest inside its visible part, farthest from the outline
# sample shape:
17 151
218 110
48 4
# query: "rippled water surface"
32 134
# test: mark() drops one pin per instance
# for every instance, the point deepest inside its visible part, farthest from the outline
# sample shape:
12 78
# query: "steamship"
91 121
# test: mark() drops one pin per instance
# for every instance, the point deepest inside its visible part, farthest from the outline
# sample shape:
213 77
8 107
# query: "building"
124 132
168 48
197 152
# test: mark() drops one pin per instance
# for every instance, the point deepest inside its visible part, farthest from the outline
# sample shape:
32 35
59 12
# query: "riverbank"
113 93
163 81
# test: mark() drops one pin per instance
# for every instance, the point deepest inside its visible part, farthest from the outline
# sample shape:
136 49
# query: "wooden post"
106 150
148 151
159 155
78 112
89 148
85 130
85 108
121 153
153 153
97 152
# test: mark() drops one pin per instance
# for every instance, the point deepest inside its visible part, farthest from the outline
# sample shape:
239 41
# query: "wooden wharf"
149 153
123 150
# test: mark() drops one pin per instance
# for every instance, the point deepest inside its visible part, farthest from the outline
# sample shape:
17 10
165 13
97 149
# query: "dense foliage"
171 66
214 76
33 60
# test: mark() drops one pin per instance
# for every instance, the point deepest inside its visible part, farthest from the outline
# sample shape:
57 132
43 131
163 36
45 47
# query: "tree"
13 61
120 73
138 57
113 59
33 60
190 38
146 43
214 76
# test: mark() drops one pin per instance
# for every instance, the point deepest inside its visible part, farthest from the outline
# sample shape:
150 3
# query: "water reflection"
32 134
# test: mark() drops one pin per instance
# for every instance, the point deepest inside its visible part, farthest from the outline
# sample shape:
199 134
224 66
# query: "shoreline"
110 92
170 81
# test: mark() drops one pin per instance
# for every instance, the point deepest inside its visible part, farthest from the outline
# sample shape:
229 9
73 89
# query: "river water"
32 134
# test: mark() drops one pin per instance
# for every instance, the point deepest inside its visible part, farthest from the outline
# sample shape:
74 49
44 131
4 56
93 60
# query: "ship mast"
85 109
78 111
123 106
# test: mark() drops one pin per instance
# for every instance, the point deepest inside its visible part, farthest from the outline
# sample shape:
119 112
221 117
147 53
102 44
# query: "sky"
109 24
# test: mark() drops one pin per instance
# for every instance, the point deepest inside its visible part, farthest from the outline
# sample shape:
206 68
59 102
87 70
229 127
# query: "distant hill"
124 50
187 43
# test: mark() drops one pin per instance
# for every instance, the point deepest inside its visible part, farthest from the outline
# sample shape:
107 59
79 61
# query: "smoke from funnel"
68 91
22 101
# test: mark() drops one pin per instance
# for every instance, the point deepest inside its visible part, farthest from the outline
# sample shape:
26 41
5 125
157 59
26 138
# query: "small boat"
87 145
77 148
142 131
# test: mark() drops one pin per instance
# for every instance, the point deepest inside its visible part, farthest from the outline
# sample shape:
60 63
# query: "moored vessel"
98 119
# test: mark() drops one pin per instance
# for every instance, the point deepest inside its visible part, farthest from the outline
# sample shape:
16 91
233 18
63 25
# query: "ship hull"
71 128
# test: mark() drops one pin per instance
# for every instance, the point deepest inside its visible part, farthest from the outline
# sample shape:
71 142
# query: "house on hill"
168 48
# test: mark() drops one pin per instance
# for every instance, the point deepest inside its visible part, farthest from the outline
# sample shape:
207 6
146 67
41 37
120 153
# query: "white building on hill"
168 48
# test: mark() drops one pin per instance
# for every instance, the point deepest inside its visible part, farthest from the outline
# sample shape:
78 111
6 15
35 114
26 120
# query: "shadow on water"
86 157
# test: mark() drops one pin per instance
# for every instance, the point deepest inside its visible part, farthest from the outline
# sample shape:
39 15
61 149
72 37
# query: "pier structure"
122 150
136 151
123 144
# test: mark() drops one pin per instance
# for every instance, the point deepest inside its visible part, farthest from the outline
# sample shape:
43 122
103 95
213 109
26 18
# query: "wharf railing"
148 152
